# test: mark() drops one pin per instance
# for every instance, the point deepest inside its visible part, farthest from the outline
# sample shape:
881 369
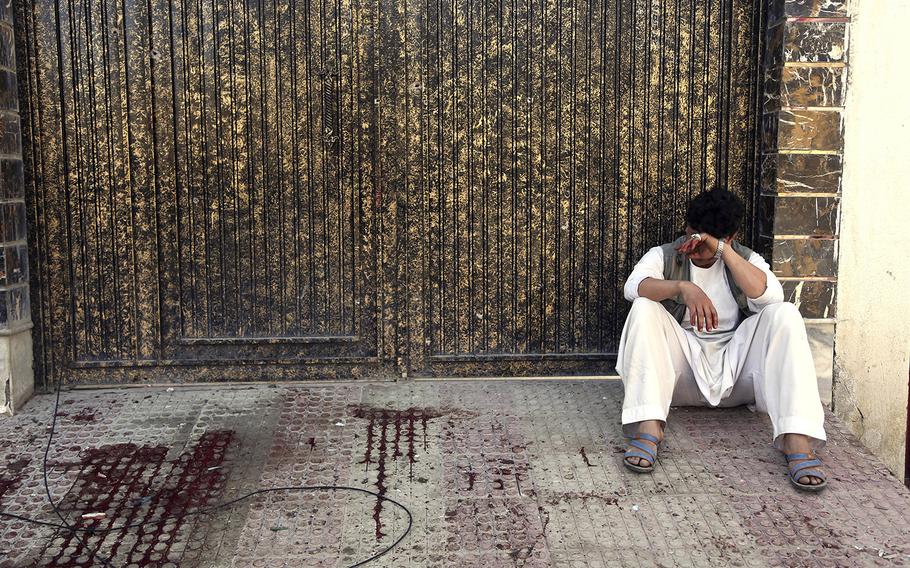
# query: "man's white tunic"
764 361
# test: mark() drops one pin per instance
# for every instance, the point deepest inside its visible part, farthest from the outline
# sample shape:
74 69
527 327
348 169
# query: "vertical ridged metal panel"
408 186
556 142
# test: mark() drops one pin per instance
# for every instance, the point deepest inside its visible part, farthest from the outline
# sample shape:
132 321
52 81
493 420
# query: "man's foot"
653 428
799 444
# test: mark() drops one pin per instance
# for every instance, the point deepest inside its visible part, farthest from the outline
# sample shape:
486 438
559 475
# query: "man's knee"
784 313
644 307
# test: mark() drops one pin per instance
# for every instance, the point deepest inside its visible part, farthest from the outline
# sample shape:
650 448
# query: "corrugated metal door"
549 144
297 189
203 188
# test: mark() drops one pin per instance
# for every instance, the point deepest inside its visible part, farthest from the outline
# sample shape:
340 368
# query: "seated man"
709 326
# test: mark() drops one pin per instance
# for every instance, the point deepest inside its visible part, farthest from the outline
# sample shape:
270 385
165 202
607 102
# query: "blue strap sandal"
802 469
646 452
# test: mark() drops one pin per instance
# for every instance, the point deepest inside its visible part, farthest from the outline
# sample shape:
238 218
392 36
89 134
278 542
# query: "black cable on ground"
76 530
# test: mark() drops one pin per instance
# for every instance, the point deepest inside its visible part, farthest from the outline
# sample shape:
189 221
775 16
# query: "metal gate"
299 189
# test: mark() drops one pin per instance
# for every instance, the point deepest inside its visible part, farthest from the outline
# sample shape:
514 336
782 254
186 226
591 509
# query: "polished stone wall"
16 377
14 305
802 158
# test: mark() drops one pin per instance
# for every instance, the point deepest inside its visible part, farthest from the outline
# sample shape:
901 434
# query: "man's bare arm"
702 313
659 290
751 279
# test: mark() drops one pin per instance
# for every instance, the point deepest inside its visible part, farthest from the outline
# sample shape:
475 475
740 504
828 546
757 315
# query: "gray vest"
676 267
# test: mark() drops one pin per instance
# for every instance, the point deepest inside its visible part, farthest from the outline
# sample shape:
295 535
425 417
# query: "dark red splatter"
423 422
85 415
11 479
380 482
584 496
312 442
379 422
134 484
397 452
411 455
584 456
18 465
472 476
369 451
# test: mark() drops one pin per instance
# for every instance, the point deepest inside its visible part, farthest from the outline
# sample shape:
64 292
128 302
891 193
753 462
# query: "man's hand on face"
691 244
702 314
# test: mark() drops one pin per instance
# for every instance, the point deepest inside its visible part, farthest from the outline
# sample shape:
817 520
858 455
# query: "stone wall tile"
814 41
809 130
769 131
810 216
821 342
764 245
775 11
4 316
815 8
811 87
771 101
10 136
804 173
12 178
7 47
814 298
12 221
6 11
14 265
774 48
805 257
17 305
9 94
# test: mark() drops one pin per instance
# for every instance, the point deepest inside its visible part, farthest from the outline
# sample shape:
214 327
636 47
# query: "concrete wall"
872 343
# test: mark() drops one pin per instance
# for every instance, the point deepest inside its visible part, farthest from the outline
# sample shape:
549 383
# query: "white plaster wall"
872 343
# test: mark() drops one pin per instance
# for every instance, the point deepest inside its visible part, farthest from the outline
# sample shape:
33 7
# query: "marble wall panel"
10 135
814 298
814 8
809 130
7 47
805 257
811 87
809 216
814 41
803 173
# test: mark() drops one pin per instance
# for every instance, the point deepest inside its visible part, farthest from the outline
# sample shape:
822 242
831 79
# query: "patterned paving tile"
495 473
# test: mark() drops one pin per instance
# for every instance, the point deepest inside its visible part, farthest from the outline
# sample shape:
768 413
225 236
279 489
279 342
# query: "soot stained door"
319 188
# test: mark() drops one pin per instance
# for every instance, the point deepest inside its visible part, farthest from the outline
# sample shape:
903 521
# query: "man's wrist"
719 249
712 242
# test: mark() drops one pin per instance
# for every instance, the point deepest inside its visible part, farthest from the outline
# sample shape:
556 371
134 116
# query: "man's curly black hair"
717 212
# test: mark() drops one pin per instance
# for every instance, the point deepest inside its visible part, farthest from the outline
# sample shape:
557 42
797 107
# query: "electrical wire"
64 525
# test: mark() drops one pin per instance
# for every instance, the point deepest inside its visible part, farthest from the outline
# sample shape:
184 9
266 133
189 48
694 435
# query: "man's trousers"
767 364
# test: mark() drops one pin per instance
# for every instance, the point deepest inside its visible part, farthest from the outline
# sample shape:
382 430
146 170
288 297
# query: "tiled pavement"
511 473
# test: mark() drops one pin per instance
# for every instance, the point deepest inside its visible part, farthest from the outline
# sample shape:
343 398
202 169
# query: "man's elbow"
630 289
775 292
774 295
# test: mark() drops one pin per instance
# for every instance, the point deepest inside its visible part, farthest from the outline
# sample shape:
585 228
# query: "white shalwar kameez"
764 362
